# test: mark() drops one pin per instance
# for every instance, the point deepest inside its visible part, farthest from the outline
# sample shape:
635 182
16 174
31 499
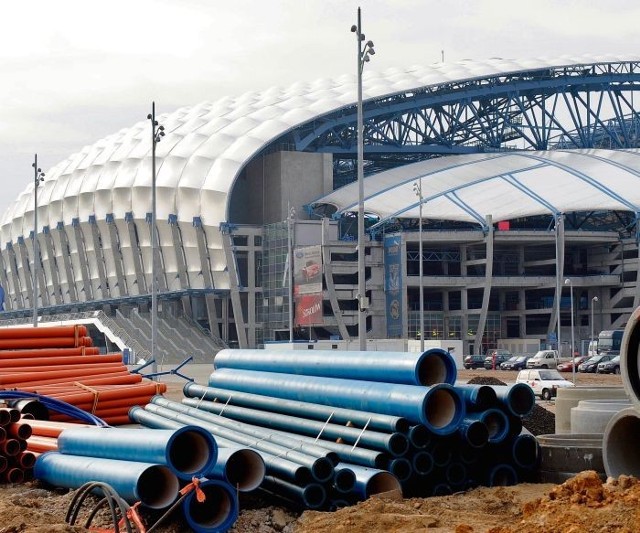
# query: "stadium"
508 183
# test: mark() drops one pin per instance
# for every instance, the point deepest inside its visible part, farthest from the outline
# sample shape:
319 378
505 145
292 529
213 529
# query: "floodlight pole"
417 188
594 300
365 50
290 218
157 132
38 176
573 362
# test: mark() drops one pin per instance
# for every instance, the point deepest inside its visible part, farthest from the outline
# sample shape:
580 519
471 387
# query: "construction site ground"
582 504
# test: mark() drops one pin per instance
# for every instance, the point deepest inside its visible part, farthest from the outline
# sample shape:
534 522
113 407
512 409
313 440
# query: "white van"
544 382
544 359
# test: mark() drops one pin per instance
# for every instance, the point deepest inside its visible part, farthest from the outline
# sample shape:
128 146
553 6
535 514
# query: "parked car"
544 359
567 366
609 367
545 382
495 358
517 362
591 364
473 361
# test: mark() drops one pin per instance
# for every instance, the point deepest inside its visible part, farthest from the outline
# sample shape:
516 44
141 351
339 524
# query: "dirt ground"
580 505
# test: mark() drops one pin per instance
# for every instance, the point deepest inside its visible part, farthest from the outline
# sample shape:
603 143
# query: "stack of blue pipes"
334 427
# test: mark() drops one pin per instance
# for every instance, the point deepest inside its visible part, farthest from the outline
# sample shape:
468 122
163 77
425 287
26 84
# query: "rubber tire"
545 394
544 366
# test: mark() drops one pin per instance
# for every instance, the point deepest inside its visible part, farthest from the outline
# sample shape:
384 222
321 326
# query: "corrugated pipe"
629 357
496 423
189 451
156 486
311 496
439 407
518 398
217 513
394 443
318 459
278 459
502 475
473 431
620 442
410 368
477 397
373 421
370 481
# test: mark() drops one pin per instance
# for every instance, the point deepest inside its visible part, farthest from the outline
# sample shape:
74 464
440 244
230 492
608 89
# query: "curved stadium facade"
528 172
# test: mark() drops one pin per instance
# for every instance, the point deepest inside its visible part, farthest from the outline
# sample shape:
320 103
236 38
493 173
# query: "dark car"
591 364
473 361
495 358
517 362
609 367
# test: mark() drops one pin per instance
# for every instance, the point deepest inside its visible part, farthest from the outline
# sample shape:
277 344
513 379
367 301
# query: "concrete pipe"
592 416
569 397
620 444
562 456
629 357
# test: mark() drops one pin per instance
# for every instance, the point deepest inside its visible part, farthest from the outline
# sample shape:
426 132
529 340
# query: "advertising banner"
393 285
307 285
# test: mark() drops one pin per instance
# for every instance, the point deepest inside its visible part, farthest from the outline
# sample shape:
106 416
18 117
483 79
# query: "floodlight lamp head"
595 299
161 128
149 116
362 36
372 51
354 28
367 58
155 122
567 281
370 44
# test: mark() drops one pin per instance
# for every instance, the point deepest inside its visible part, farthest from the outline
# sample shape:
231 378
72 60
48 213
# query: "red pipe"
13 475
122 402
42 444
57 368
52 352
122 378
54 342
75 396
19 430
13 414
78 330
47 428
4 463
26 459
10 447
66 361
36 378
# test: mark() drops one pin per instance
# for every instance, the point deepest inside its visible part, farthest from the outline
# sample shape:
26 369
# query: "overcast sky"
74 71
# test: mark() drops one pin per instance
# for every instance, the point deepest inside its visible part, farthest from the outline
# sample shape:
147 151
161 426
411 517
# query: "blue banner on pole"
393 285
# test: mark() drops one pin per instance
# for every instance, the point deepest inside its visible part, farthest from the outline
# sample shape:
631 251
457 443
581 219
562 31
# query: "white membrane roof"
208 144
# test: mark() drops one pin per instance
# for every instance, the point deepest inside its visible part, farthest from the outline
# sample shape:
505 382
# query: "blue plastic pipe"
502 475
344 480
312 496
242 468
217 513
518 399
496 422
477 397
473 431
357 418
189 451
371 481
275 465
156 486
525 451
394 443
439 407
422 463
410 368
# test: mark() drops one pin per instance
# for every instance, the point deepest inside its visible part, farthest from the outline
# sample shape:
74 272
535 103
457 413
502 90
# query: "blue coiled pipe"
410 368
188 451
394 443
371 481
439 407
358 418
156 486
217 513
275 465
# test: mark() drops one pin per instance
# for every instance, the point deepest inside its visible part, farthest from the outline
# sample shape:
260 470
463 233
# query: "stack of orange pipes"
16 461
76 374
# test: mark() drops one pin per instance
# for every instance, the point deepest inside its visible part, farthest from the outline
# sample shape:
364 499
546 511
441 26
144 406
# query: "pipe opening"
514 425
497 425
485 397
35 408
157 487
14 475
5 417
398 444
382 482
216 508
525 451
245 470
314 496
344 480
400 468
190 452
419 436
422 463
521 399
4 463
441 489
322 469
441 453
456 473
629 352
432 369
441 408
303 475
468 455
27 459
477 434
23 431
502 476
11 447
620 450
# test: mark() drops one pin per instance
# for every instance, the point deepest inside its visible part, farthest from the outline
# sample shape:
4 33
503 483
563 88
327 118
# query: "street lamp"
573 361
38 176
365 50
290 219
593 305
417 188
157 132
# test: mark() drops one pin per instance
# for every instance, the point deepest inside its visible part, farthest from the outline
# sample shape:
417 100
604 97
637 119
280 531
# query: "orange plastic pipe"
88 368
47 428
8 415
42 444
57 376
122 378
78 330
52 342
66 361
25 459
111 393
19 430
121 402
49 352
117 420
